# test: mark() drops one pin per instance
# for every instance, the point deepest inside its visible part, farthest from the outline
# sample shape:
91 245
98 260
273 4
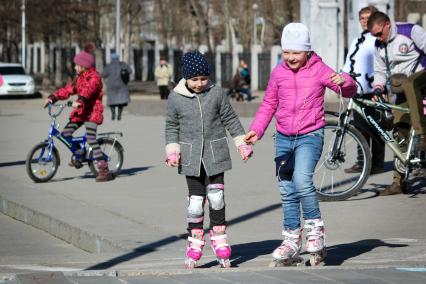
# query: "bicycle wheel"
330 179
113 154
41 168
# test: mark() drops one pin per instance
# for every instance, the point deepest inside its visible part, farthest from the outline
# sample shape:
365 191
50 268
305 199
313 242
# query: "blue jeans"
298 188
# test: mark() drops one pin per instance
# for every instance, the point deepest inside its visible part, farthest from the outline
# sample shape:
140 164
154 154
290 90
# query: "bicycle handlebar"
60 106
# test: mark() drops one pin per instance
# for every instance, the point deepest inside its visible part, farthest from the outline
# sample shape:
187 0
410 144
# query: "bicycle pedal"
75 163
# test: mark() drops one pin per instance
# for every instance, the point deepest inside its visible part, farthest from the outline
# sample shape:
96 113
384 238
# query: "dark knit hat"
194 64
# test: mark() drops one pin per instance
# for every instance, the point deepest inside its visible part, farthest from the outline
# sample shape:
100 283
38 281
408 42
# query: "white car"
14 81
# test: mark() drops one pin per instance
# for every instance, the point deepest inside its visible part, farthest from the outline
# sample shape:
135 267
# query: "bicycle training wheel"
113 154
331 181
41 168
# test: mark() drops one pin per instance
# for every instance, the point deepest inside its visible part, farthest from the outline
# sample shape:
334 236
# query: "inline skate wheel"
316 258
297 261
224 263
189 263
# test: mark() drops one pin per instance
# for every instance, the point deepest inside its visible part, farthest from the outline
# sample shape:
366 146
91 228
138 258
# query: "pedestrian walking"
116 75
295 95
88 108
163 73
198 115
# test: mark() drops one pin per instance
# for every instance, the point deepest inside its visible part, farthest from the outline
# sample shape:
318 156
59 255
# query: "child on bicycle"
88 108
295 95
198 115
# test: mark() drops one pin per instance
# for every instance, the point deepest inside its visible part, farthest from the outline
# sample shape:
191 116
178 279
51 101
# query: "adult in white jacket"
360 65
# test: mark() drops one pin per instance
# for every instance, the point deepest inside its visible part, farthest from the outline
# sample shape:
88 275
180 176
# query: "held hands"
251 137
173 159
337 79
246 151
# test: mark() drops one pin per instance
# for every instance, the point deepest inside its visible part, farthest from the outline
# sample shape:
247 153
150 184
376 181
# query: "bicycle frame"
72 143
355 105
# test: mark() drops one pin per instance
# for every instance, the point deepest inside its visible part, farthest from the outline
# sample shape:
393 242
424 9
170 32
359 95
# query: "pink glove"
172 160
245 151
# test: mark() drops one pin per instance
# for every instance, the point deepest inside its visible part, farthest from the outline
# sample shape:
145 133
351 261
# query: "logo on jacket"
403 48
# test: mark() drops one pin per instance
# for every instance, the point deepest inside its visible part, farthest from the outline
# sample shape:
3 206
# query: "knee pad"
215 196
195 209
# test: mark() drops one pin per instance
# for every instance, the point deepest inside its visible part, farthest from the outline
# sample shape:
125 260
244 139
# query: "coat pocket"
185 153
220 150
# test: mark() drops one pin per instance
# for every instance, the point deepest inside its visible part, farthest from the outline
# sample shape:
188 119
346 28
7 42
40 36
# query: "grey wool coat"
117 92
196 127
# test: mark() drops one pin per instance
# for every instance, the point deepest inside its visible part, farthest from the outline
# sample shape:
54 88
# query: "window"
9 70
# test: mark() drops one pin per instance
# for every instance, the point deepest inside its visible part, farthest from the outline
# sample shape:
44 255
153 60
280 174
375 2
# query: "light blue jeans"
298 189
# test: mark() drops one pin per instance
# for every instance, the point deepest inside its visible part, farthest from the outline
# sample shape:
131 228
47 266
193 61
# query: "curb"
82 239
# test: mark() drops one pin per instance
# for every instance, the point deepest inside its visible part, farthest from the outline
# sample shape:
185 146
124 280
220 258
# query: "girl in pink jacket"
295 95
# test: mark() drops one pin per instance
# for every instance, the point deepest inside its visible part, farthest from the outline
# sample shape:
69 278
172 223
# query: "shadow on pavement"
10 164
338 254
245 252
36 95
133 171
88 175
148 248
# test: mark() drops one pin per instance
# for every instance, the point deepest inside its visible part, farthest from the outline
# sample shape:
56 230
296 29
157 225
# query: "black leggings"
198 186
164 92
120 110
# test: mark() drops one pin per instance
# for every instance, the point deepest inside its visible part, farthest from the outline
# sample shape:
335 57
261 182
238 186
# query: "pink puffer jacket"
297 98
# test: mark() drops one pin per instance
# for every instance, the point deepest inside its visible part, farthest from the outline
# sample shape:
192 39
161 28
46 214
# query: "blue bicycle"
43 159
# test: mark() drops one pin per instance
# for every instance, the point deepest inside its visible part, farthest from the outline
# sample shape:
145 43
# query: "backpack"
124 74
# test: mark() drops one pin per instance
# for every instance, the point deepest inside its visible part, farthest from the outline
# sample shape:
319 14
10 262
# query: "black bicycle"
344 144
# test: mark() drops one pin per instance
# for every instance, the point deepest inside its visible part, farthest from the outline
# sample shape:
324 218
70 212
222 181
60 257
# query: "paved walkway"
135 224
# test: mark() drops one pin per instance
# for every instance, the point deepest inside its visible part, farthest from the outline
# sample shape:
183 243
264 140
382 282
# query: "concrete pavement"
136 223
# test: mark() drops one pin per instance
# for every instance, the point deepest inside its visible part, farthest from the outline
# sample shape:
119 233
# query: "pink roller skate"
194 250
220 248
315 241
287 254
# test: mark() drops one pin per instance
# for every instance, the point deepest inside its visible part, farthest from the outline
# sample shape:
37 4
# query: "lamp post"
23 34
255 7
117 28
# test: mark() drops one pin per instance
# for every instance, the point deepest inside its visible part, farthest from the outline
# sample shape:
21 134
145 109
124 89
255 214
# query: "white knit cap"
295 37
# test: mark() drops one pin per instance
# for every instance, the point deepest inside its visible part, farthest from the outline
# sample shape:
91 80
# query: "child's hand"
251 137
337 79
246 151
76 105
47 102
173 160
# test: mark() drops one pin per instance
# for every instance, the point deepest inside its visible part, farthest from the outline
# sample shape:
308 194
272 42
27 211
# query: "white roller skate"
287 254
194 250
315 241
219 245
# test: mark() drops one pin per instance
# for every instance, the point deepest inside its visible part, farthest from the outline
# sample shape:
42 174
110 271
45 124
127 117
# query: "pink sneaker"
220 248
194 250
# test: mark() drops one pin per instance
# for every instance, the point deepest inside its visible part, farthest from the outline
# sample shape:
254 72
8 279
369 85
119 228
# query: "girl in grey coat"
198 115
